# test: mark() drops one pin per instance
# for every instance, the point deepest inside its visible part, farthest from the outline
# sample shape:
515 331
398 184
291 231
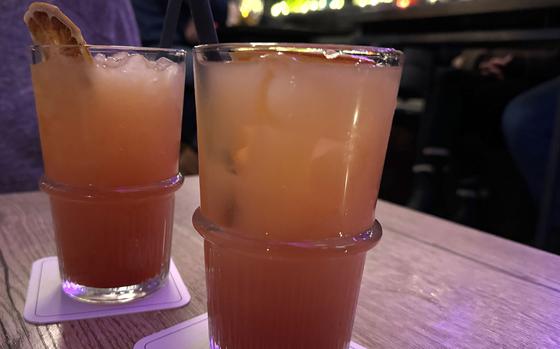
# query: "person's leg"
528 123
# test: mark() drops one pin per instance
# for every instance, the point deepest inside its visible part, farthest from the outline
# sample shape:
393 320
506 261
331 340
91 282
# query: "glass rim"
347 50
112 47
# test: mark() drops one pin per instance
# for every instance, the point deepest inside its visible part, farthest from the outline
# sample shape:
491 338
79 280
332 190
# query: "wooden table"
428 284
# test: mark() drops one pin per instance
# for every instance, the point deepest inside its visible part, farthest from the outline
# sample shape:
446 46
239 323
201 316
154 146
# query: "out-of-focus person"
462 120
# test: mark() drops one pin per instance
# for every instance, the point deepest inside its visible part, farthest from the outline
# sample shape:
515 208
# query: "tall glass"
110 136
292 141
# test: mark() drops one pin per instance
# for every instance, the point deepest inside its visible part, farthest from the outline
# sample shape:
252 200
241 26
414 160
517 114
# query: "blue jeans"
528 125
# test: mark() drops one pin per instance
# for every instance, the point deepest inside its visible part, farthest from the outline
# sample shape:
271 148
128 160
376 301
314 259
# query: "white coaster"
46 303
192 334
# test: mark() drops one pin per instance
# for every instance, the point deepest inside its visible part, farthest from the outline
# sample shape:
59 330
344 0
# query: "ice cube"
290 92
163 63
134 63
151 64
119 56
100 59
240 87
281 93
117 60
235 163
233 98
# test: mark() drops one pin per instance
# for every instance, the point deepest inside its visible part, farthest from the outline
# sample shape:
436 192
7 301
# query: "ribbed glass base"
113 295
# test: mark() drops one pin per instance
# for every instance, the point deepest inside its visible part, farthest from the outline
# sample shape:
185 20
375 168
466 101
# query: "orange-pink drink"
110 135
292 141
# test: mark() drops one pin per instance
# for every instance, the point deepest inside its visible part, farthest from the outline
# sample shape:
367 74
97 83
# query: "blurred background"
467 109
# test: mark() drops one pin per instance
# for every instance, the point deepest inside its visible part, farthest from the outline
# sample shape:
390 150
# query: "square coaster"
46 303
192 334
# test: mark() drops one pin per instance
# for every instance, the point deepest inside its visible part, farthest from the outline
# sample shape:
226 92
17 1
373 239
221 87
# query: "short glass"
292 140
110 137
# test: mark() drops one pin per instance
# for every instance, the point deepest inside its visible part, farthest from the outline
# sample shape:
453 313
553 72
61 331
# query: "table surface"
428 284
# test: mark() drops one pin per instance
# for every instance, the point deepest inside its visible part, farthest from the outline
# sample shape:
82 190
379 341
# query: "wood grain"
428 284
509 256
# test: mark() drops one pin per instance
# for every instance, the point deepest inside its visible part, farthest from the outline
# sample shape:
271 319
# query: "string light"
246 7
286 7
336 4
403 3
